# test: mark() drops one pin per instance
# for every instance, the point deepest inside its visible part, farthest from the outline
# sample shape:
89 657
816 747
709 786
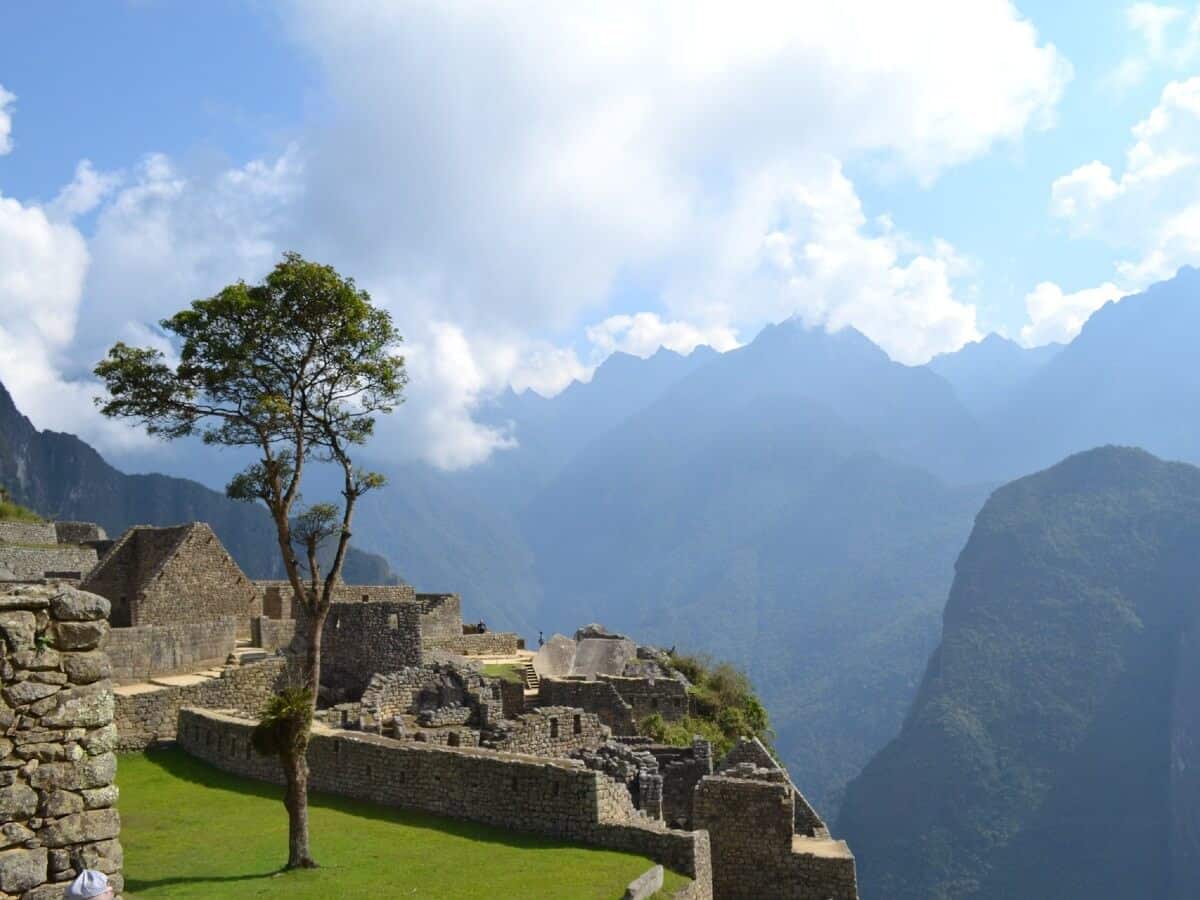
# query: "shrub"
723 707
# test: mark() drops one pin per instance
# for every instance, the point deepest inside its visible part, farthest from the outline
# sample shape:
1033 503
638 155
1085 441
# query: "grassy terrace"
190 830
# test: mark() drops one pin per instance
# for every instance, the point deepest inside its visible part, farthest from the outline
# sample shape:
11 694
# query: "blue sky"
532 186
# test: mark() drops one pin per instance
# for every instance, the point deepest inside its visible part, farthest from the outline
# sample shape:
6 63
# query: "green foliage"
284 722
304 354
12 511
1034 760
724 707
193 832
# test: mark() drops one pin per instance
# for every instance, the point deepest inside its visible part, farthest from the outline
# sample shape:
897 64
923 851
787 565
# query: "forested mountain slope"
1052 750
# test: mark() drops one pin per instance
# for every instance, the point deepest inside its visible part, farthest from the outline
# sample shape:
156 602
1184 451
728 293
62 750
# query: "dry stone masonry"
166 576
34 551
57 766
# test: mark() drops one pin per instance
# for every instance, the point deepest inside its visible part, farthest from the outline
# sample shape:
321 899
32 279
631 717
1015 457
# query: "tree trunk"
295 798
294 755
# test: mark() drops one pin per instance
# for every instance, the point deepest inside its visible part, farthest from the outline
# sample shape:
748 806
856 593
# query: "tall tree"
296 367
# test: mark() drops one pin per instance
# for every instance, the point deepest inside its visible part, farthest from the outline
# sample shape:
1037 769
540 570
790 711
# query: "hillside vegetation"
1052 750
723 707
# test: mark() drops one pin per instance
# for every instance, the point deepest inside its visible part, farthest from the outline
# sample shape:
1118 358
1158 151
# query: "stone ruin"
197 649
57 797
35 551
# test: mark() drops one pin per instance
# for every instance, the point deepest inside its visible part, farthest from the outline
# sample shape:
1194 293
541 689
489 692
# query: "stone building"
168 576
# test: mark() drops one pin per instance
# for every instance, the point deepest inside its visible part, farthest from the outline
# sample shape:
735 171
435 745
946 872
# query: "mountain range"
795 505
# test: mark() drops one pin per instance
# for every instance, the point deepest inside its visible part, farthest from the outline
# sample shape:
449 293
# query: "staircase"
529 678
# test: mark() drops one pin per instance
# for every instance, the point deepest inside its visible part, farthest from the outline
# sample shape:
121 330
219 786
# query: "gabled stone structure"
173 575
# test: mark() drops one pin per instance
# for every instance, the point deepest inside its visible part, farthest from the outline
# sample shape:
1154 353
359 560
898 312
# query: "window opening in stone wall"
554 728
366 597
577 727
393 621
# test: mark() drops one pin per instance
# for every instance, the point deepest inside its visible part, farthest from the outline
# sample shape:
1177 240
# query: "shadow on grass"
133 885
179 764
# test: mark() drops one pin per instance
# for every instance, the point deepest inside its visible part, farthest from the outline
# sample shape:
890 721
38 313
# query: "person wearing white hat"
89 885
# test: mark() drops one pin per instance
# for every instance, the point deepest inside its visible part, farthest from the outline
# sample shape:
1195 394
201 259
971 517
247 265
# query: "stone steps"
530 677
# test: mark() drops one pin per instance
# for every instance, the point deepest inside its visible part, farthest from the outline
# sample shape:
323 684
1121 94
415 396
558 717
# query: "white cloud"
84 192
170 236
642 334
495 173
42 268
1166 37
6 100
799 243
524 158
1056 317
453 376
1152 209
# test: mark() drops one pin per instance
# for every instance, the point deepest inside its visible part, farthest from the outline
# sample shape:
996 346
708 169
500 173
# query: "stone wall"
441 616
648 696
523 793
79 533
272 634
490 643
61 561
755 852
681 769
148 714
598 697
552 731
57 766
143 651
374 593
752 750
28 533
362 639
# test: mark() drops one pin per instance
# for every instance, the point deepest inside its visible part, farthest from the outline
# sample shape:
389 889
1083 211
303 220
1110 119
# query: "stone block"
89 706
21 870
17 801
35 660
61 803
101 740
645 885
92 772
85 668
18 628
101 798
79 635
93 825
14 833
73 605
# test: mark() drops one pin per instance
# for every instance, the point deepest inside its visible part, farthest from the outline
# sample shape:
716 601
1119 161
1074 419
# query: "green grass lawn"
504 671
190 830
